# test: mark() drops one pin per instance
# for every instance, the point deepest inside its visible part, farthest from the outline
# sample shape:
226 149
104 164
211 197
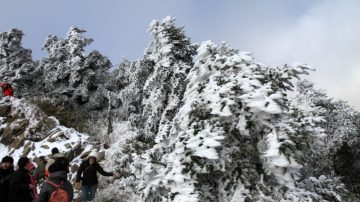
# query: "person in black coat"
58 175
87 173
6 170
20 187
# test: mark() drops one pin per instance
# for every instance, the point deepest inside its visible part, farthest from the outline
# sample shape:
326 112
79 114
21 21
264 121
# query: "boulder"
68 146
18 141
5 110
27 148
57 133
101 155
77 149
69 155
44 146
47 124
85 154
7 135
19 126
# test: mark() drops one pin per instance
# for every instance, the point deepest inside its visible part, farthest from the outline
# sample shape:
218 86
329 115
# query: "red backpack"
59 194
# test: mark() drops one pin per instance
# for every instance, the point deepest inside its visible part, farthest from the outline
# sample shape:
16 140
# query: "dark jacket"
19 190
56 178
5 176
88 172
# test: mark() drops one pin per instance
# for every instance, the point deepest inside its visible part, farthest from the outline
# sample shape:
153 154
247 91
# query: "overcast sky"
322 33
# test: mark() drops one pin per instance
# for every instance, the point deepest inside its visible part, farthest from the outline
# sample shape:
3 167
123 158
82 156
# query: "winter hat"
30 166
60 164
23 161
94 153
7 159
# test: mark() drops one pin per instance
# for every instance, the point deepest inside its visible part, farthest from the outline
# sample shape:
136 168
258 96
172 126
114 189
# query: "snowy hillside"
187 122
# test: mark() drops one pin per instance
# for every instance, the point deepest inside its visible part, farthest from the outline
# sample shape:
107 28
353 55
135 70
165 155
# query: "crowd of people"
22 184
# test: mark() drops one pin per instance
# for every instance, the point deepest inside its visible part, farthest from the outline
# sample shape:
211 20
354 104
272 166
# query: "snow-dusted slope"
27 131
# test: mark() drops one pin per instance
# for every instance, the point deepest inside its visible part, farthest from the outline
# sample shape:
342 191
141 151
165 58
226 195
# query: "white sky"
322 33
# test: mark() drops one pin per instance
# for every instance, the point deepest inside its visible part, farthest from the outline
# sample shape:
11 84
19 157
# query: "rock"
106 146
19 126
44 146
101 155
7 137
51 140
57 133
85 154
5 110
11 153
69 155
68 146
74 168
18 142
27 148
47 124
77 149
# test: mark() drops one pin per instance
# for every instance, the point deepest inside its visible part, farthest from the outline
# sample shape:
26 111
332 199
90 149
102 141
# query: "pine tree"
171 53
230 99
72 76
16 64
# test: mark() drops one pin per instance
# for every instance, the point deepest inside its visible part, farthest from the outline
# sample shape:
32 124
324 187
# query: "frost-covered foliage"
16 64
72 76
170 53
232 134
230 99
130 79
331 155
128 145
195 122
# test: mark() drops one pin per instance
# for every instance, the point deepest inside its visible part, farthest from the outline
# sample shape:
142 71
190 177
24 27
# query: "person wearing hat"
87 174
6 169
58 176
54 155
20 183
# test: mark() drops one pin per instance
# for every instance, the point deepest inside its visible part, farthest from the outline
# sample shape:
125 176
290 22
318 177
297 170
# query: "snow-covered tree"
16 64
230 99
195 122
170 52
72 76
220 129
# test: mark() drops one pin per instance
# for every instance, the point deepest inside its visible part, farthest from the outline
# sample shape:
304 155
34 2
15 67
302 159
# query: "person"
58 176
87 173
6 170
31 168
54 155
7 89
39 173
20 188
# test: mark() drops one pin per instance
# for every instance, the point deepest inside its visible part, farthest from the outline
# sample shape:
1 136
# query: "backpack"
59 194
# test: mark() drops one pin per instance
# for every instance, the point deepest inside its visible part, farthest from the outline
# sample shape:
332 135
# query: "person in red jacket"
31 168
7 89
